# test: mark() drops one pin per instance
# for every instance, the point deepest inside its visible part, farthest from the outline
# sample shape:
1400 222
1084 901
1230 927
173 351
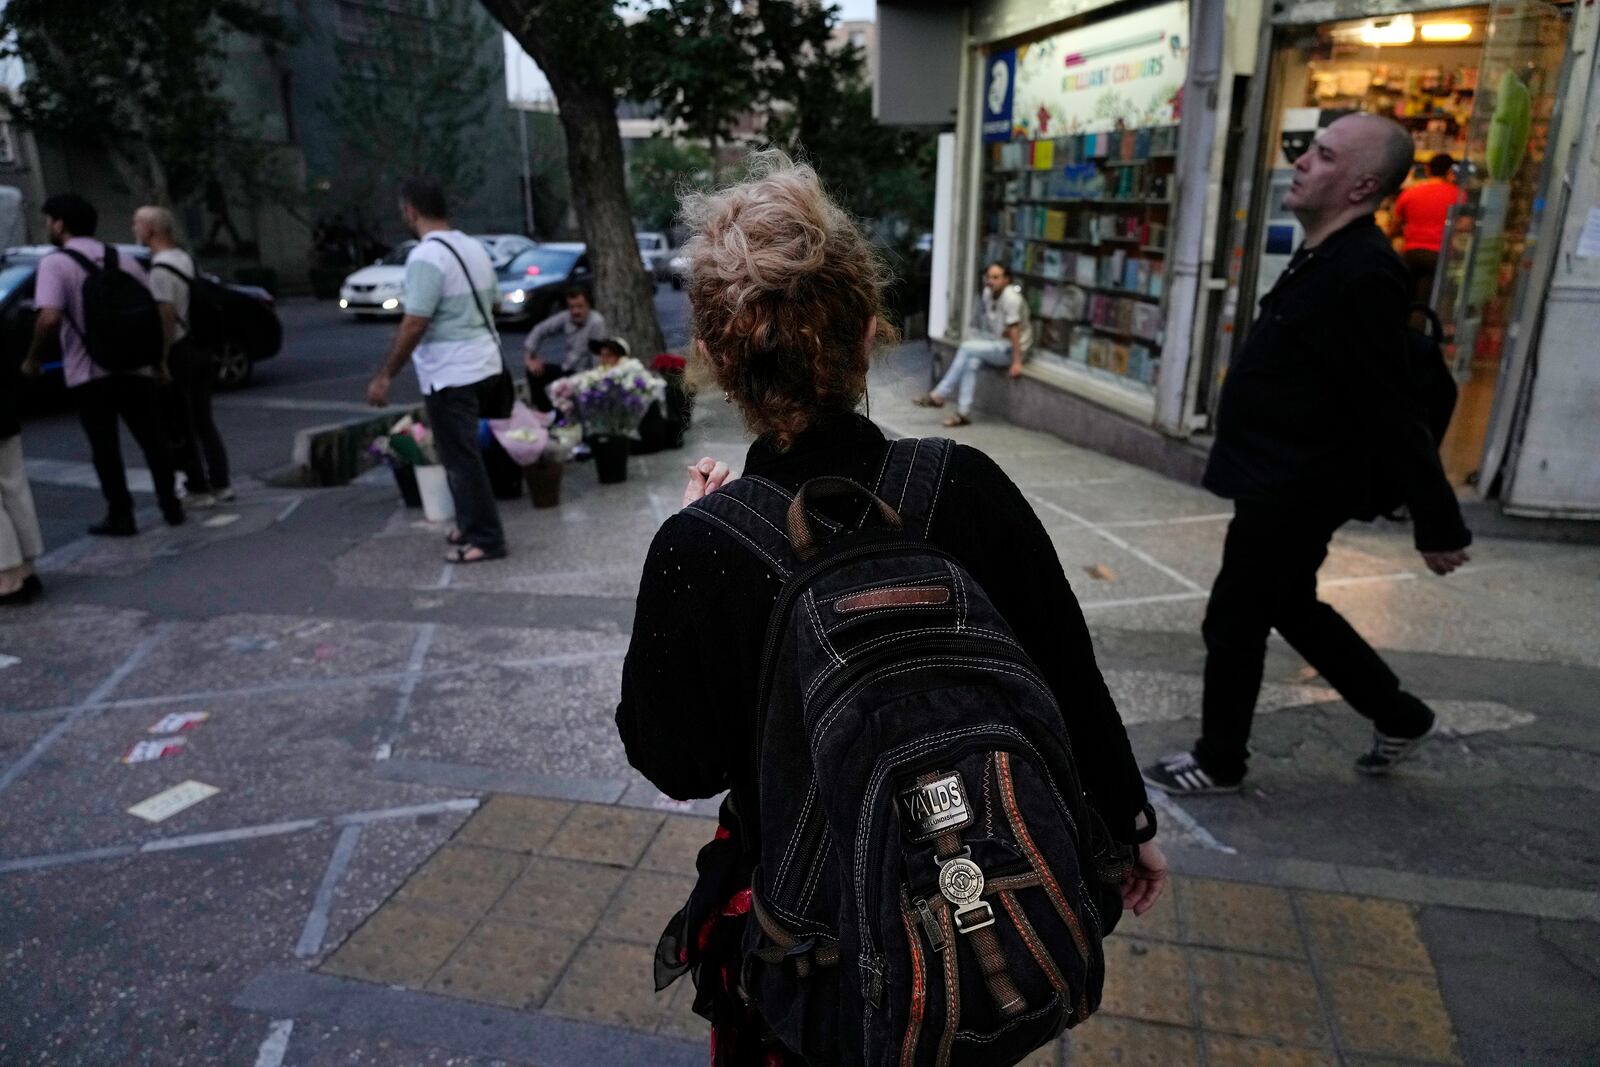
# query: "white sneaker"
224 496
199 500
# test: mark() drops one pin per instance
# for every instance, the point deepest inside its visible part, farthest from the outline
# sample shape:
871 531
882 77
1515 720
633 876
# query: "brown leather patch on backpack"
911 596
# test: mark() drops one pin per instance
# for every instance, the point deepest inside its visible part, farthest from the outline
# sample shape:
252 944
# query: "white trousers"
974 352
20 540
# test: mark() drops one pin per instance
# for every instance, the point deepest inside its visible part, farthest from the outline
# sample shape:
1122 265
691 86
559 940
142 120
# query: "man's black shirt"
1316 397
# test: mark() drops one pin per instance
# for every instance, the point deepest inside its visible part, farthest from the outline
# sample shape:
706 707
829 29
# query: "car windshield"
13 274
537 262
648 242
397 255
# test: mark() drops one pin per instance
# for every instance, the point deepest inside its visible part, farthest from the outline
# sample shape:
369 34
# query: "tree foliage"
658 171
142 80
413 99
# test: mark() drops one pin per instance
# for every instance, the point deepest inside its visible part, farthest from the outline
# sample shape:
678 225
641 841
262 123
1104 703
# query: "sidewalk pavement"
428 846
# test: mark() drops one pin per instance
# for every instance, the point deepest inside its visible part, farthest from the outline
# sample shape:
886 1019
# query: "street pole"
527 167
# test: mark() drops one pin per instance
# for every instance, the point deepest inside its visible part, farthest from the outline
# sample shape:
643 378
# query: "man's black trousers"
135 399
453 414
1269 580
201 454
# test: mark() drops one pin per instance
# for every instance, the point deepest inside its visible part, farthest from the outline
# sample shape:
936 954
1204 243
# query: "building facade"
1127 162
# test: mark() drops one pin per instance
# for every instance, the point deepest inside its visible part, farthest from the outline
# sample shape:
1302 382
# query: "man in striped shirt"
448 336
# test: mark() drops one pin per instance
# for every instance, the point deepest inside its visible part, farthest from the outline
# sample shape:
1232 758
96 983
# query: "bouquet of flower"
669 363
408 443
525 436
609 401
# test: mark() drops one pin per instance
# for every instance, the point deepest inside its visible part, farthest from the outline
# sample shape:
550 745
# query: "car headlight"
390 304
517 296
343 303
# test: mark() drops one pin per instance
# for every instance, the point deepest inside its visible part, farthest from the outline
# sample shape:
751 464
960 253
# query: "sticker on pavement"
179 721
145 751
8 661
169 802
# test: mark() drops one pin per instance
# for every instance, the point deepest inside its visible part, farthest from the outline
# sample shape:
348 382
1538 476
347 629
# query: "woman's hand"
1144 884
707 476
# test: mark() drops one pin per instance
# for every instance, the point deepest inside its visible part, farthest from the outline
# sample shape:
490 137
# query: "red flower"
667 363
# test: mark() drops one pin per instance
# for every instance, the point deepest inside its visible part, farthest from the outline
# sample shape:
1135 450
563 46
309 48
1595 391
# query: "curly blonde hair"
782 285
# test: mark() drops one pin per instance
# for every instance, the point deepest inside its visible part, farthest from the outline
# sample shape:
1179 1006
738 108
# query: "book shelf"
1082 221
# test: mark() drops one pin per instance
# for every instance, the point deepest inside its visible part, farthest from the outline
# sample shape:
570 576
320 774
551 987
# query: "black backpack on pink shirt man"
121 324
932 885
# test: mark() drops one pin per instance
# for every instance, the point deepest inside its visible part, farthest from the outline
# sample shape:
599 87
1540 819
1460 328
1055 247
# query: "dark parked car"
250 317
533 284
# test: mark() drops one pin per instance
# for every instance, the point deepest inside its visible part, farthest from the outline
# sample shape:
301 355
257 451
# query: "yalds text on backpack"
121 324
930 876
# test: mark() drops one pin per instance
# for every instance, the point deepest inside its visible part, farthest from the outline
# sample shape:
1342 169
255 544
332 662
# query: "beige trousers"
20 540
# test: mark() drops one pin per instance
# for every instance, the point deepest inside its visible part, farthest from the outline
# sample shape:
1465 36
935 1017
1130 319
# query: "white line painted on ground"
566 659
223 837
75 474
1134 601
408 685
447 574
1106 535
92 703
238 833
288 509
276 1045
1183 520
657 509
316 927
1172 813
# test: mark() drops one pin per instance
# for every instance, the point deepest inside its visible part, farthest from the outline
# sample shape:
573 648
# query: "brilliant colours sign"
1125 73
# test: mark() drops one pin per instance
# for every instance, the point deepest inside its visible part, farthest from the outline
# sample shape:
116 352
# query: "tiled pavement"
551 906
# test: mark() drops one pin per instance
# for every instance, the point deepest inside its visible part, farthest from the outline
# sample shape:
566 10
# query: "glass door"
1479 289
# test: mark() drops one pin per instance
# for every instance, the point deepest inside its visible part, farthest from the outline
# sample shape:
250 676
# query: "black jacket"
689 683
1316 397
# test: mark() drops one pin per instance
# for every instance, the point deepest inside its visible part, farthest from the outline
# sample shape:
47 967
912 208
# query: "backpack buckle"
973 917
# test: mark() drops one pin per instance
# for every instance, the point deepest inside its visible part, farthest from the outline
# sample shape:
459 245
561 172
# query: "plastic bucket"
434 488
544 484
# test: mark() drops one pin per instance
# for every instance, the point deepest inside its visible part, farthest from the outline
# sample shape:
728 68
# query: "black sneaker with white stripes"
1387 751
1180 774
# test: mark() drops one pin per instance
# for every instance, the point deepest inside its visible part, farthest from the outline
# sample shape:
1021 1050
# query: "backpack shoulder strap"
81 260
169 267
756 512
472 289
913 474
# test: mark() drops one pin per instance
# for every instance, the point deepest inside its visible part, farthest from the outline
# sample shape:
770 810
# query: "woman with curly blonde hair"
787 310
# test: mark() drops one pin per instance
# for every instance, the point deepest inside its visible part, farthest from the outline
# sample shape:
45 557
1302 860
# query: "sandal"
471 554
928 400
957 419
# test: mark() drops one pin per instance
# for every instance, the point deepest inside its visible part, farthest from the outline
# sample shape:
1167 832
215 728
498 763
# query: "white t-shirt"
1009 308
458 349
171 290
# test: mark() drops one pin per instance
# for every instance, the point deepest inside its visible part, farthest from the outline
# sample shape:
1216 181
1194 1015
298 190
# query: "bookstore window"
1078 184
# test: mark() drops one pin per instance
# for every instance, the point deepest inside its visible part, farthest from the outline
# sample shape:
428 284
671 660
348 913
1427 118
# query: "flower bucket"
610 458
437 503
405 478
544 483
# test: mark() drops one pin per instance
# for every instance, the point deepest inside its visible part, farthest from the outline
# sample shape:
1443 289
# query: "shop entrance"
1476 87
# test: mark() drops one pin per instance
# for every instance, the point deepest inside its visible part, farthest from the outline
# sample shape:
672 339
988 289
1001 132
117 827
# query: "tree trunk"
623 294
588 107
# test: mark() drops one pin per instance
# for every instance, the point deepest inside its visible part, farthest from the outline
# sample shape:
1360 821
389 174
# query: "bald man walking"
1314 402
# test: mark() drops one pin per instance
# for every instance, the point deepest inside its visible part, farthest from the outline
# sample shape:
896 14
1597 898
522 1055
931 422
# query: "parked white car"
379 290
678 270
655 251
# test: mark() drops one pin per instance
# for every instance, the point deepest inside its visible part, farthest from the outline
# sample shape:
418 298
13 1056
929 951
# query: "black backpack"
1432 394
207 300
930 878
121 325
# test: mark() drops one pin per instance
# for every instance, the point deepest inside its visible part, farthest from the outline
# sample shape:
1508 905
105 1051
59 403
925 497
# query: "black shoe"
1180 774
33 585
115 526
173 513
1387 752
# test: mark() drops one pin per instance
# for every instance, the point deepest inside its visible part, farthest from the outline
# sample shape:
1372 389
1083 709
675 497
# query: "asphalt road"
320 376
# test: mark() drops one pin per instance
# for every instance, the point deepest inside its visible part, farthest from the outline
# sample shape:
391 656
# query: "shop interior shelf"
1110 290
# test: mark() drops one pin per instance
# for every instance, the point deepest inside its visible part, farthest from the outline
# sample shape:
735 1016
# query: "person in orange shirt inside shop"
1419 216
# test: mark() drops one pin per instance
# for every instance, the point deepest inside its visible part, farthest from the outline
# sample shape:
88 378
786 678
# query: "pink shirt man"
60 285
